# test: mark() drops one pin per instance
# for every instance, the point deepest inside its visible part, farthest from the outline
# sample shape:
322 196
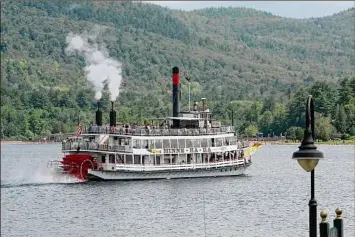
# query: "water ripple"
272 200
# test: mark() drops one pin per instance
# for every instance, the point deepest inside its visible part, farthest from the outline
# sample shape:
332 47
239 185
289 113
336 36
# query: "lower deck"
157 162
171 174
174 167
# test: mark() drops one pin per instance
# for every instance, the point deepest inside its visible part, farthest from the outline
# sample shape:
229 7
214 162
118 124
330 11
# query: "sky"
293 9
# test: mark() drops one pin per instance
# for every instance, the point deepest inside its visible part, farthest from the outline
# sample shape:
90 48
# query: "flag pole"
189 97
188 79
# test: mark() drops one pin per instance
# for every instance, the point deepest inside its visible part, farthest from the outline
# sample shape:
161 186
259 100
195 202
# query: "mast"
188 79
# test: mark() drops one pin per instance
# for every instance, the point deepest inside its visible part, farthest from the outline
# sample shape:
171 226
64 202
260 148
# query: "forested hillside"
259 66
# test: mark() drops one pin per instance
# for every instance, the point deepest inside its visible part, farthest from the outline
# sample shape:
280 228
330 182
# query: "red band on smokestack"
176 78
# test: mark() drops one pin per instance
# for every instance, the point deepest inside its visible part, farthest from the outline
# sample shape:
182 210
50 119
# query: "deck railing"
142 131
93 146
237 162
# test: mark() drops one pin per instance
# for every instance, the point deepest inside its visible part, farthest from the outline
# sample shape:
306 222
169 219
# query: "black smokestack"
176 96
112 116
98 115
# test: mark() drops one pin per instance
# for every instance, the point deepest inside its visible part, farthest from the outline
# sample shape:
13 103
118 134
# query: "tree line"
259 66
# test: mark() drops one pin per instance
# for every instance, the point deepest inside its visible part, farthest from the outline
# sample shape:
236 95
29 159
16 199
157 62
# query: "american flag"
78 130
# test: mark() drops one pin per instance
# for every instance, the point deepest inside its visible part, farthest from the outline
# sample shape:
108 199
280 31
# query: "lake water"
270 201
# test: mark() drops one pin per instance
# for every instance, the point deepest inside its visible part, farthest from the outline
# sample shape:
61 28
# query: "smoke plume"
99 66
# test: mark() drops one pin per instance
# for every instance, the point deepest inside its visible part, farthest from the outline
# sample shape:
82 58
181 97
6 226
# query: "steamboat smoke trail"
99 66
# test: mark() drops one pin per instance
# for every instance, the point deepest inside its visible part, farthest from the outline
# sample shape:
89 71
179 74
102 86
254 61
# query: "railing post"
324 225
338 222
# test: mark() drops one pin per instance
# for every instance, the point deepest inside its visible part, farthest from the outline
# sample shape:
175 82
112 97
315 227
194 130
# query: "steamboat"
187 145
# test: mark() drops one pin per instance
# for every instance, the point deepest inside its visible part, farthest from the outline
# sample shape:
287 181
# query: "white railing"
93 146
176 167
141 131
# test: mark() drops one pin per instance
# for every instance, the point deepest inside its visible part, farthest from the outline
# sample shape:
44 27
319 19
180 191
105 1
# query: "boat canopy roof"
184 118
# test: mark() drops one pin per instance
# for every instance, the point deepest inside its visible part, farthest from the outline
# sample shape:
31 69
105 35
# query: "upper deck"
156 131
197 122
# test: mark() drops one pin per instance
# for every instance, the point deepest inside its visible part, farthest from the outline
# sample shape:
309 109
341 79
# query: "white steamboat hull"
147 175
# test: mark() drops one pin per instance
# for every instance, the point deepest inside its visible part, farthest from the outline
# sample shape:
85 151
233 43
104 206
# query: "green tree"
323 128
251 131
266 121
37 76
296 107
323 96
295 133
341 120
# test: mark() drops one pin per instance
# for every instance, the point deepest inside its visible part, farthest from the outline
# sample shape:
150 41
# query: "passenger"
90 127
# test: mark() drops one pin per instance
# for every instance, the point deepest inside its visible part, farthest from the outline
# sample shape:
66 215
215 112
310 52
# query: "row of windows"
184 143
172 158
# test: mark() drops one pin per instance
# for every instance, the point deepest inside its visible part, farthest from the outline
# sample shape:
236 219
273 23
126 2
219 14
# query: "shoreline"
341 142
14 142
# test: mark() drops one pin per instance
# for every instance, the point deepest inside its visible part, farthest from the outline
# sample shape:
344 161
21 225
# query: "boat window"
173 158
112 158
157 160
134 143
199 158
158 144
151 144
205 157
139 144
174 143
144 144
145 160
189 143
219 141
129 159
119 159
181 143
204 142
137 159
151 159
197 142
166 143
167 159
127 141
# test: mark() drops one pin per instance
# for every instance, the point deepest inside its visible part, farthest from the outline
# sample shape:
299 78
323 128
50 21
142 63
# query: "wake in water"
41 176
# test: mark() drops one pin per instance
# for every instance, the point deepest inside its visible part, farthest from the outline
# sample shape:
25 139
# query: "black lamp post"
308 157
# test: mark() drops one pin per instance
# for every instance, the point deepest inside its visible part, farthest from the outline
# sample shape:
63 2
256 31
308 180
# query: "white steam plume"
99 66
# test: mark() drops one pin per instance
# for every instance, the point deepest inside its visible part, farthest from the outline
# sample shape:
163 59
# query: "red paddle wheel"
78 165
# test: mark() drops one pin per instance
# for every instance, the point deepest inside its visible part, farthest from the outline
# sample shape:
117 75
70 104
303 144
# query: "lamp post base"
312 218
312 210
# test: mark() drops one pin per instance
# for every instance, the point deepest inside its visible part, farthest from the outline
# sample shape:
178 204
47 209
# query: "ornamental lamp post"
308 157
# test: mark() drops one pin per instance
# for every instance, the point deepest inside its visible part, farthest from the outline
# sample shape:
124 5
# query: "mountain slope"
230 54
